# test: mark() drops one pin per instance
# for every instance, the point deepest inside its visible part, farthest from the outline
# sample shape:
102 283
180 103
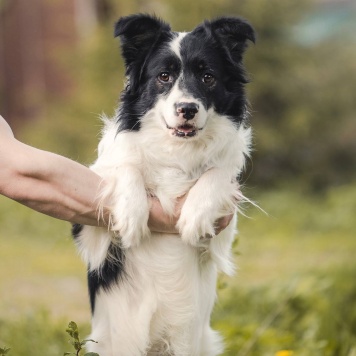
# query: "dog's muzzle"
186 127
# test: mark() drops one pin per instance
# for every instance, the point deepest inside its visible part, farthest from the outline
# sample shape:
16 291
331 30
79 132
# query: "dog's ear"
233 33
138 34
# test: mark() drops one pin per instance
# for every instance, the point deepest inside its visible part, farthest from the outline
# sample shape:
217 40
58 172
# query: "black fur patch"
108 275
141 36
216 48
76 230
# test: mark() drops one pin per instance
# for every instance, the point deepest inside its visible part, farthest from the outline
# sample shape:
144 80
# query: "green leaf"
73 331
4 351
68 353
87 340
77 345
73 325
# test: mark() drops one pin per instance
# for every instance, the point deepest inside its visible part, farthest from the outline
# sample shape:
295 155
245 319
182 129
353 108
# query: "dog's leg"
211 343
220 248
129 208
192 341
210 198
122 318
195 337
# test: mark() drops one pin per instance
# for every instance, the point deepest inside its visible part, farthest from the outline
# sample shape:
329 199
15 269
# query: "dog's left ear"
138 33
233 33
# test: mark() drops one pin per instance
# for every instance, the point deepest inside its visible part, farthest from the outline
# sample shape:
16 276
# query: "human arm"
46 182
57 186
62 188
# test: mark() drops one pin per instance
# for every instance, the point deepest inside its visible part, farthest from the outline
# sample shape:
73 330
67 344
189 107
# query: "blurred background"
295 290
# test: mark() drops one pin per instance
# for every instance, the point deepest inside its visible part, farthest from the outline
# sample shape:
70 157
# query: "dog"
181 128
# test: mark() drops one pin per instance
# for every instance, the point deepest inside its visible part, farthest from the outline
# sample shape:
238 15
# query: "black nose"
188 110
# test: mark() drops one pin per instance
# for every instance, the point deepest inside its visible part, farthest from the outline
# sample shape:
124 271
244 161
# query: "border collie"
181 128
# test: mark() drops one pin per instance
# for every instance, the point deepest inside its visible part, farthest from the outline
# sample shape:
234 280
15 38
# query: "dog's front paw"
195 225
129 209
131 229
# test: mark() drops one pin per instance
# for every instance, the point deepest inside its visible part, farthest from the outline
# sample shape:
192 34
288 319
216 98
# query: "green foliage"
294 291
297 293
73 331
302 124
310 314
4 351
37 334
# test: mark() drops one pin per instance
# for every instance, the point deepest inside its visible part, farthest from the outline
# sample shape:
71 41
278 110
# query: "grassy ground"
295 289
296 286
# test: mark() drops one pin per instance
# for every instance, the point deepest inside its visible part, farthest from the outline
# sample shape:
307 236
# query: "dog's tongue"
186 128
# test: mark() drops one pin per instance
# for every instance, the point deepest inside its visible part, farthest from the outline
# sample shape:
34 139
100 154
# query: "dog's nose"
187 110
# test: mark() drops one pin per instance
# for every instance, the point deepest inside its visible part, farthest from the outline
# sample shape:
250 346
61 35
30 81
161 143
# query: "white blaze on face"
178 123
175 44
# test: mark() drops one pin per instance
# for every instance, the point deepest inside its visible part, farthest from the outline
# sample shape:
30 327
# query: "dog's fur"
181 128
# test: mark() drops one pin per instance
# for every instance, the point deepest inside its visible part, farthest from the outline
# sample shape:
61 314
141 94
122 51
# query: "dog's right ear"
233 33
138 34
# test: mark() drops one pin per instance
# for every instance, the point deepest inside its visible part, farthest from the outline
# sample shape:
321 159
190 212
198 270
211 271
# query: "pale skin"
64 189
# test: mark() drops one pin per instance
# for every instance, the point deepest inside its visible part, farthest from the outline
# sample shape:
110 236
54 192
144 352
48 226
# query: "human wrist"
158 220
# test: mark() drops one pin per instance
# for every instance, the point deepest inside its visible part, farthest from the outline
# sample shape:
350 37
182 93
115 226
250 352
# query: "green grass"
39 266
295 288
313 314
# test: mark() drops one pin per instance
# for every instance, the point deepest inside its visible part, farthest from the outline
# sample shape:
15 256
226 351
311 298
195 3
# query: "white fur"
175 45
163 305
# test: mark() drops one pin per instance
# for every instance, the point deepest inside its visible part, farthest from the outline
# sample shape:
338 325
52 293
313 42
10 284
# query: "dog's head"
184 77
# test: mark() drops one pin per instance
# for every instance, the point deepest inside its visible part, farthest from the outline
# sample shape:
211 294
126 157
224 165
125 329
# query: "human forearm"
51 184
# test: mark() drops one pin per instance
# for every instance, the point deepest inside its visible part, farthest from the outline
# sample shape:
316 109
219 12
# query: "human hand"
159 221
219 225
222 223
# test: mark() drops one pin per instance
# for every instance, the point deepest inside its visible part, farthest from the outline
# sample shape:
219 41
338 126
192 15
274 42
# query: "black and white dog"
181 128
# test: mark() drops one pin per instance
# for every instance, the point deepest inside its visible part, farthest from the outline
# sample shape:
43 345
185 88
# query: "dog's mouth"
184 131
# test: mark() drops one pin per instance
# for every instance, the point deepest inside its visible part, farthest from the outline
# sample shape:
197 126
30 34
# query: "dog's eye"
164 77
208 79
